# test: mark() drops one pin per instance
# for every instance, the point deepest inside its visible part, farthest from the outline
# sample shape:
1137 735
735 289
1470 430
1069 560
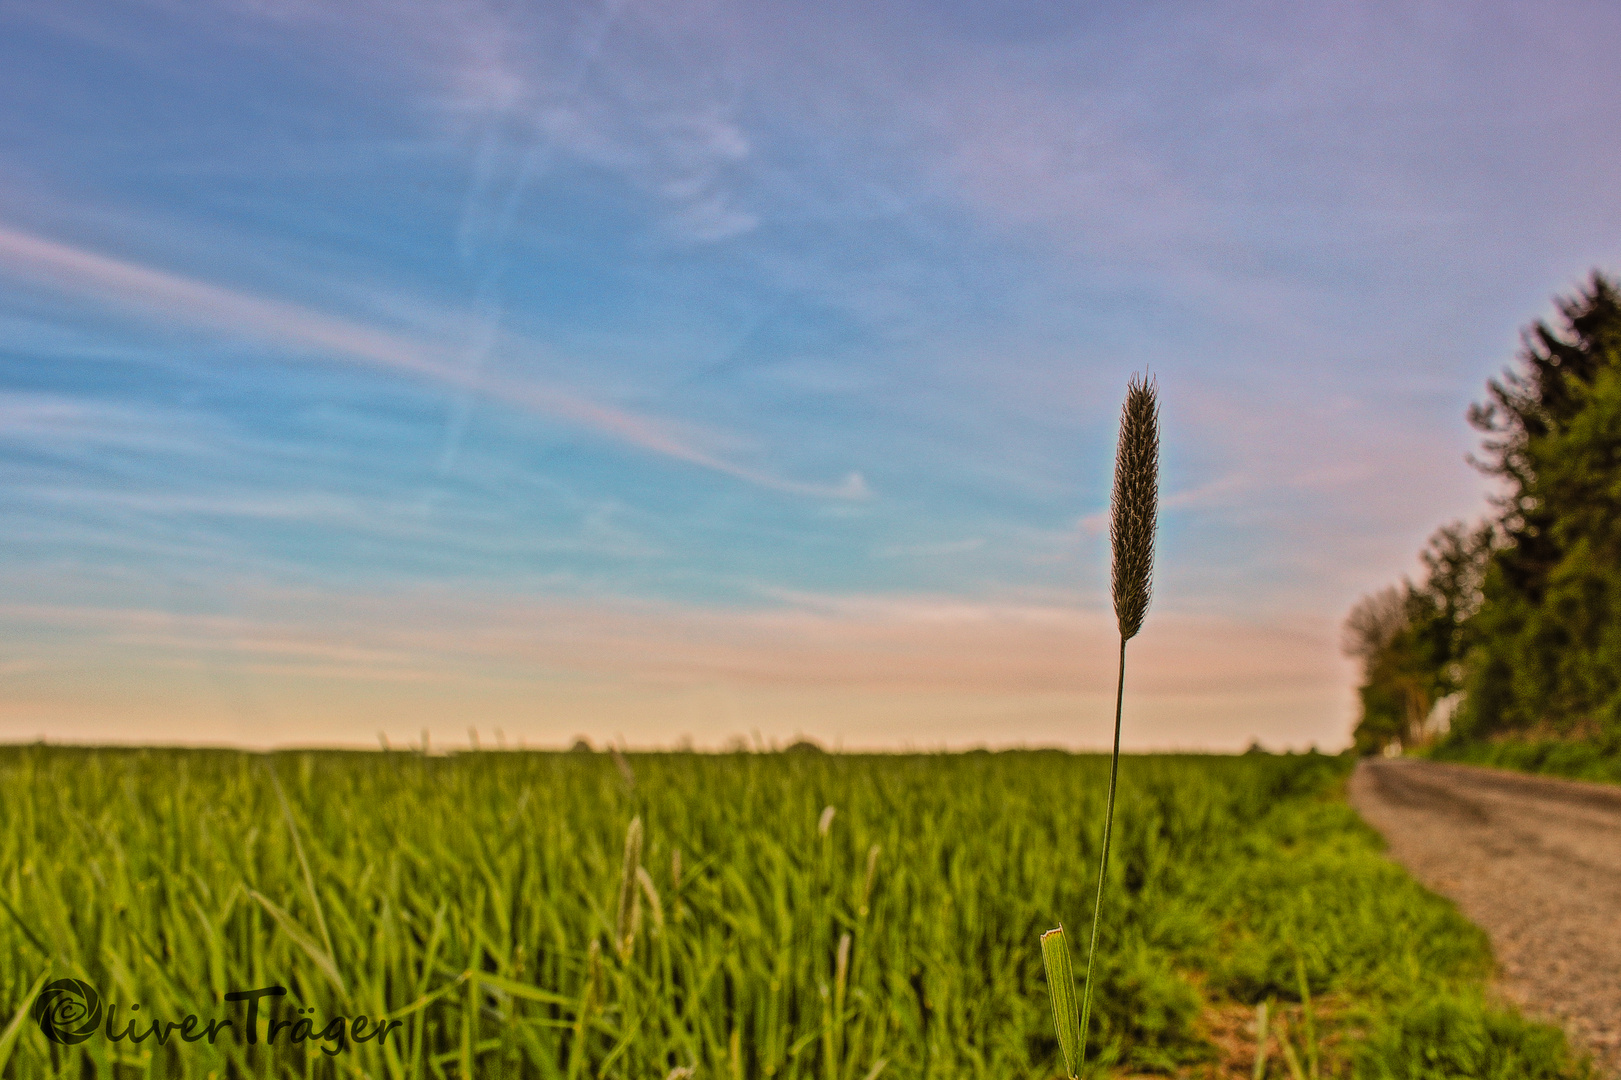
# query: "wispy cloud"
60 421
133 286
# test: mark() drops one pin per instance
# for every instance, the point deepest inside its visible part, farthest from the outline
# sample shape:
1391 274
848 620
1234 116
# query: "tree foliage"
1412 638
1522 613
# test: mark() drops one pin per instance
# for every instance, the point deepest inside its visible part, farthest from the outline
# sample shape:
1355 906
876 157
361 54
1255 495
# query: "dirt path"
1535 861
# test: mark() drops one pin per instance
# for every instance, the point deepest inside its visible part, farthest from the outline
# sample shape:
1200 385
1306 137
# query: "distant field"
783 915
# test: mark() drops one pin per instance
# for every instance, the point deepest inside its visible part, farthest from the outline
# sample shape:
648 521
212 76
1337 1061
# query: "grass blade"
8 1038
33 939
1061 985
1290 1058
304 941
304 864
1260 1043
1308 1016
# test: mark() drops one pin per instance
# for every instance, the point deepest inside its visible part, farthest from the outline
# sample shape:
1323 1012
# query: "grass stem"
1103 863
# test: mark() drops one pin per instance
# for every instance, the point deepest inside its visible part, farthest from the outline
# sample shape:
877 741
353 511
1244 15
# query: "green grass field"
804 915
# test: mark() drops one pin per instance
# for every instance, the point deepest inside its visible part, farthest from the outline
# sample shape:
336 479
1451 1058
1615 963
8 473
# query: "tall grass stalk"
1133 512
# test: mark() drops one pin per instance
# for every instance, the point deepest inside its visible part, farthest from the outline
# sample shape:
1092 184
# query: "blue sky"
668 371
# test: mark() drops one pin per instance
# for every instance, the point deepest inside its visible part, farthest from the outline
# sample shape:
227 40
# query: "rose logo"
67 1011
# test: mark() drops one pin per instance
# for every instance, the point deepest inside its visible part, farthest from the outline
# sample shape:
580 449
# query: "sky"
675 373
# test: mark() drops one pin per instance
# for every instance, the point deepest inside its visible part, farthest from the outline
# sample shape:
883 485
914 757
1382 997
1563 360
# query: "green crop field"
795 914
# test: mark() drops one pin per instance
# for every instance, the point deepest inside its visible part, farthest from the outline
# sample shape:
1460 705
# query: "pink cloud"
894 643
875 671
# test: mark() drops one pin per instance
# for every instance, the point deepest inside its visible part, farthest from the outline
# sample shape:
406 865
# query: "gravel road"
1533 860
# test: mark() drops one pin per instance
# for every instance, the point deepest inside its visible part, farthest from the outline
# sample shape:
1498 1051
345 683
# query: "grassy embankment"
492 903
1550 757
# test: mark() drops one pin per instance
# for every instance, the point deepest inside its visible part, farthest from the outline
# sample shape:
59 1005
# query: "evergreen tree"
1522 613
1548 660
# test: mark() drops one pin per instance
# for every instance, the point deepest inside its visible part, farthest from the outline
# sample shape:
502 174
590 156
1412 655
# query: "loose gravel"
1534 861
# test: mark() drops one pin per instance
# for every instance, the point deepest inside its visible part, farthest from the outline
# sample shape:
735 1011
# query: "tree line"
1513 631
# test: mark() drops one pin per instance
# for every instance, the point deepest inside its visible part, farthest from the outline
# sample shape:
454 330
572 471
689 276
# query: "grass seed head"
1134 508
630 904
